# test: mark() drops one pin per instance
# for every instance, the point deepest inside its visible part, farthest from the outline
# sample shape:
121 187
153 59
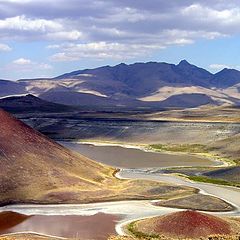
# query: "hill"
186 100
184 225
91 100
30 103
35 169
201 114
231 174
11 88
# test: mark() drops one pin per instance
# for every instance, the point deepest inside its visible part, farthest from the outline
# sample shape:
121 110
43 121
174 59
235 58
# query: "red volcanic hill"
192 224
185 224
35 169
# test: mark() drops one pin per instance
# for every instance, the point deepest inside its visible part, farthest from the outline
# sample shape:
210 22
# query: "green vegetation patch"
188 148
131 228
198 149
212 180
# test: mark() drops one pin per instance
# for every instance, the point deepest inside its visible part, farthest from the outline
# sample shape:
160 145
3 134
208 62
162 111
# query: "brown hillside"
34 168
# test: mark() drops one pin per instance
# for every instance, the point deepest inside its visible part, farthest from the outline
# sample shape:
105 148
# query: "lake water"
121 157
97 227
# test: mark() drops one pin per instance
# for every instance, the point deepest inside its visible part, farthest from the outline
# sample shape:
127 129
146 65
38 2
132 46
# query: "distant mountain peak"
30 96
229 70
122 64
184 63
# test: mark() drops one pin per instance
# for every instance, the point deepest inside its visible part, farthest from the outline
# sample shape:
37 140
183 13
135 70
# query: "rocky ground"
197 202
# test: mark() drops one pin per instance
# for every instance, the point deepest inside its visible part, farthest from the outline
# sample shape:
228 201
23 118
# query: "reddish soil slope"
185 224
33 166
192 224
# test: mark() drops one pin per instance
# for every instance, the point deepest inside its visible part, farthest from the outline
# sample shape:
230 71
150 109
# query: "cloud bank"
116 29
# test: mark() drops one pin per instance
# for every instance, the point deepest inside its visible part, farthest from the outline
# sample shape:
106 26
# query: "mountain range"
145 85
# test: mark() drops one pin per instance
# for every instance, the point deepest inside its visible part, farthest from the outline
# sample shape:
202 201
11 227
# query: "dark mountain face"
154 74
30 103
123 84
10 88
75 98
140 79
193 75
225 78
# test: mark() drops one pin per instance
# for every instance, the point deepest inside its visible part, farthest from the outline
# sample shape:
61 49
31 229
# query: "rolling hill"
30 103
90 100
187 100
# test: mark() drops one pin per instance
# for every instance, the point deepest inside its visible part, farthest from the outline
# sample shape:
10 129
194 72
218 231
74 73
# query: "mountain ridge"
150 81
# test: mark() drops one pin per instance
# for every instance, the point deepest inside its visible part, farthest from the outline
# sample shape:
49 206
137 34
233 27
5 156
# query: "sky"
46 38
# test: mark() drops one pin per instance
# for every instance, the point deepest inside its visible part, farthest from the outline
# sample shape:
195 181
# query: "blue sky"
41 38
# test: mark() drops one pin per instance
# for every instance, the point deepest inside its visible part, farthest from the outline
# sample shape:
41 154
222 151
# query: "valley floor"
222 149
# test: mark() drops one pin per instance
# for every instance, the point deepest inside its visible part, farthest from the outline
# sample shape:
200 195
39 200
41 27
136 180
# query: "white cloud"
53 46
225 21
16 1
22 61
122 21
116 29
64 57
126 50
64 35
23 23
44 66
100 51
218 67
206 13
4 48
37 28
27 65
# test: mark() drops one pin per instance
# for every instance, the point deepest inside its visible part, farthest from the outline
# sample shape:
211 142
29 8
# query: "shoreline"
147 207
117 174
121 228
221 161
34 234
235 121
